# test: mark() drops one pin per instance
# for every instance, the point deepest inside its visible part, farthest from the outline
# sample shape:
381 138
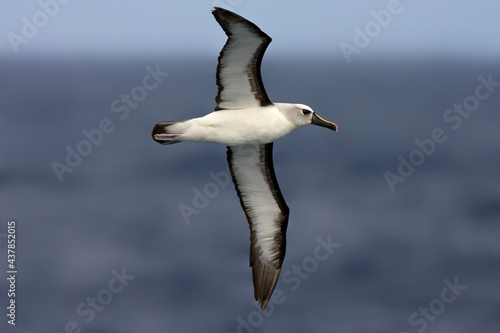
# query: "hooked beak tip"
317 120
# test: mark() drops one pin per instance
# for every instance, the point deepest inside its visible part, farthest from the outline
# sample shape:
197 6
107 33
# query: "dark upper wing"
253 175
238 71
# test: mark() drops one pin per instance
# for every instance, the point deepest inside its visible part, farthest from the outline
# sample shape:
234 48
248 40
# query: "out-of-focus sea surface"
119 211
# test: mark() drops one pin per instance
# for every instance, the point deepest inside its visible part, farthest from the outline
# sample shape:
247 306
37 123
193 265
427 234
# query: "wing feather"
238 71
253 174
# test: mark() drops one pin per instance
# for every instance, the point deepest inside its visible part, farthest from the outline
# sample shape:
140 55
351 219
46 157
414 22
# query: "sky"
299 28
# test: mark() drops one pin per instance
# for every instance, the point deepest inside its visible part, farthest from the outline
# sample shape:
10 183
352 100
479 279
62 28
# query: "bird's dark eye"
306 112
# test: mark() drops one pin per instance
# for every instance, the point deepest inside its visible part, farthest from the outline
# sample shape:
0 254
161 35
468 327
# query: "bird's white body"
258 125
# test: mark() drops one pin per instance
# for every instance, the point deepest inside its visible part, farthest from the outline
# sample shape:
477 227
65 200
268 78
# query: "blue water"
118 211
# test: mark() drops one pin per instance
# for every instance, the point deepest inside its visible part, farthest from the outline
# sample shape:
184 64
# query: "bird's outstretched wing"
238 72
253 175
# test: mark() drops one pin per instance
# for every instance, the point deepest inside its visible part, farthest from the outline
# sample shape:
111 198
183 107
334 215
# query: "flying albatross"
248 123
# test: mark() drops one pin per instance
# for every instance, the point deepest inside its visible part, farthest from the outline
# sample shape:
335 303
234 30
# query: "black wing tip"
262 303
264 283
224 13
224 17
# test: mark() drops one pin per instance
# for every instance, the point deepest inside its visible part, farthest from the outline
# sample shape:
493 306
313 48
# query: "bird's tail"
165 133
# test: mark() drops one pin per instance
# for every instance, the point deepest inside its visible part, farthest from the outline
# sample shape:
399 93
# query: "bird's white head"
300 115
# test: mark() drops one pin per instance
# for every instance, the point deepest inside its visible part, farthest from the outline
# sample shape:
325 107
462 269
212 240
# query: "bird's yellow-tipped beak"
317 120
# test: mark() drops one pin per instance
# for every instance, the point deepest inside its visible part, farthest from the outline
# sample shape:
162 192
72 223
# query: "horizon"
395 28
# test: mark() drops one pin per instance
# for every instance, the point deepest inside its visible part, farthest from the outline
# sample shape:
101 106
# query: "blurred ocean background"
119 210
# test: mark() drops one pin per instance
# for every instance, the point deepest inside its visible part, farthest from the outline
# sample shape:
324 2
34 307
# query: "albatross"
248 123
